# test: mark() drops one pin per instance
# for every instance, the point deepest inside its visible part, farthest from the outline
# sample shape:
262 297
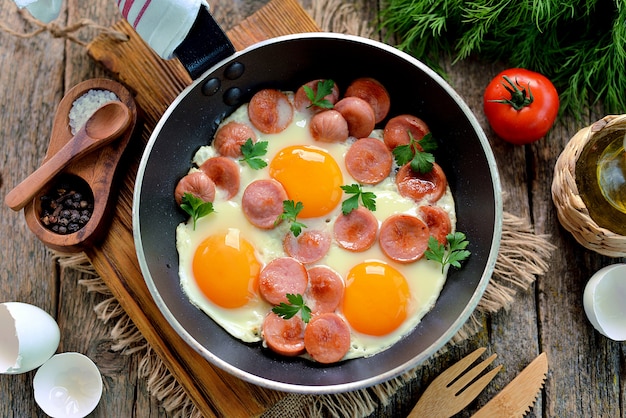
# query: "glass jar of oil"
601 180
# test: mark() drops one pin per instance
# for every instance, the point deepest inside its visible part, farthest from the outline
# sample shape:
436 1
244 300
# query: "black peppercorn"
67 207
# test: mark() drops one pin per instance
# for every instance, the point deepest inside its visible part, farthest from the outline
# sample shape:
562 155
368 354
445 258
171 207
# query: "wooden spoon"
107 123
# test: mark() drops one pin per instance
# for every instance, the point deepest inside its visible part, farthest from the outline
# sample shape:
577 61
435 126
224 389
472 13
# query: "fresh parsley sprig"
324 88
290 213
418 152
367 198
251 153
196 207
451 253
289 310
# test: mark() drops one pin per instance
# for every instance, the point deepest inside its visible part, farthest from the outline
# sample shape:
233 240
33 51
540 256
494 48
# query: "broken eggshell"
69 385
603 301
30 336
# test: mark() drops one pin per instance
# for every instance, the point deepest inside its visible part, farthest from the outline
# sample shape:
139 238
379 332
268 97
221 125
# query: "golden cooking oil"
601 180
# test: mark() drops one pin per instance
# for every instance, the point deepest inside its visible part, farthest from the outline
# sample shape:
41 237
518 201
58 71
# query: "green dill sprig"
574 44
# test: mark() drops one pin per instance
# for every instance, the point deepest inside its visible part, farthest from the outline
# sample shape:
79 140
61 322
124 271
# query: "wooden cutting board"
156 83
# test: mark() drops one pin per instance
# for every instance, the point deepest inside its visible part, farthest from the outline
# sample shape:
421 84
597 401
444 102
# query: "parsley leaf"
290 213
196 207
417 152
296 304
251 153
324 88
367 198
452 253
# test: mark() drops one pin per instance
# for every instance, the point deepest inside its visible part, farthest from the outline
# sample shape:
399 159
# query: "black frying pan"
286 63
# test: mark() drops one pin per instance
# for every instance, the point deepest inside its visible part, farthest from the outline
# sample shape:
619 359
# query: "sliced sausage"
284 336
270 111
358 114
403 238
308 247
397 130
230 137
325 289
357 230
417 186
301 101
438 222
225 174
373 92
262 202
329 126
196 183
282 276
327 338
369 161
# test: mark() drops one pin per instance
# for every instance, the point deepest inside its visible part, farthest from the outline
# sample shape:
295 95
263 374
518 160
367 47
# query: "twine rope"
59 31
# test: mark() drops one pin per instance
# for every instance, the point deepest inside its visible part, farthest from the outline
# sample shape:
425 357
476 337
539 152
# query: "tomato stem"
520 96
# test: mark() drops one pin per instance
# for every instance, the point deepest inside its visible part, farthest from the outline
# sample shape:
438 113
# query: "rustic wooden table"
587 375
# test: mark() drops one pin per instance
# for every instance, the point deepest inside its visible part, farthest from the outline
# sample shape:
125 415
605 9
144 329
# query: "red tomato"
521 105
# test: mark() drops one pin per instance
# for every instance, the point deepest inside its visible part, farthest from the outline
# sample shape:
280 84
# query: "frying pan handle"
206 44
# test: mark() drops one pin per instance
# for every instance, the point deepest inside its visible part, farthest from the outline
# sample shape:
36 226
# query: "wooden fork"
449 393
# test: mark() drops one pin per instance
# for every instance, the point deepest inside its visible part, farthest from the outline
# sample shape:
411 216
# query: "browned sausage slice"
308 247
270 111
282 276
262 202
357 230
373 92
198 184
230 137
438 222
418 186
369 161
325 289
397 130
327 338
284 336
329 126
403 238
225 174
358 114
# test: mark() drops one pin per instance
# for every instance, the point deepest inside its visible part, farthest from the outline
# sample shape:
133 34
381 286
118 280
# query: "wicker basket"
571 209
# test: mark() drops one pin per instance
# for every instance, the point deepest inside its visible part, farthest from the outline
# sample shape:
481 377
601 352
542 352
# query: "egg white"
425 278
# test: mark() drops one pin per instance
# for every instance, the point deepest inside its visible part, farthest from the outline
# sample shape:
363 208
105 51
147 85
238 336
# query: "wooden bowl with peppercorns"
72 211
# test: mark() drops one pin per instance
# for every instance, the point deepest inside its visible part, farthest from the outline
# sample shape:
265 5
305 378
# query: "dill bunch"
580 45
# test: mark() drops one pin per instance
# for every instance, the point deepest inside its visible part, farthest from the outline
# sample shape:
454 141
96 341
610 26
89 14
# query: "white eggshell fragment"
69 385
604 301
30 336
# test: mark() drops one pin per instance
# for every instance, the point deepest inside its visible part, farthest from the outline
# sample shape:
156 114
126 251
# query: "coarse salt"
86 105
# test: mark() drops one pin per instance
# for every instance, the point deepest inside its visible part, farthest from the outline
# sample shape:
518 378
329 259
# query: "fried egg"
220 260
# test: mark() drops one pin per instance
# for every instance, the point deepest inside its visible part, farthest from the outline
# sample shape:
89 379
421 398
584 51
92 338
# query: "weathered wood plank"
586 376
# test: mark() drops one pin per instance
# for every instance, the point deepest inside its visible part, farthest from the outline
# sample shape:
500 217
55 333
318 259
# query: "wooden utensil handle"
24 192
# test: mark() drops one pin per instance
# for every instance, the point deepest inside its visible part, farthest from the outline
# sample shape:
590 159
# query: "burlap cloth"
522 258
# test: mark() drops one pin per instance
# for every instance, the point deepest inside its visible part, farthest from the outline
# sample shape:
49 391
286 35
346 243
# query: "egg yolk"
376 298
309 175
226 269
